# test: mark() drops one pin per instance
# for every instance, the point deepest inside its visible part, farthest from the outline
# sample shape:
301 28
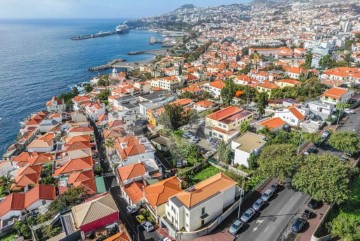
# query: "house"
44 143
294 72
6 167
95 213
132 149
16 203
94 110
287 83
273 124
26 176
336 95
245 145
266 87
73 165
203 105
200 204
170 83
225 124
322 109
156 195
293 116
79 101
214 88
55 105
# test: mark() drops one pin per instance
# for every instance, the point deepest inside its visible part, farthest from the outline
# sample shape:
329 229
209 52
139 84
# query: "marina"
108 65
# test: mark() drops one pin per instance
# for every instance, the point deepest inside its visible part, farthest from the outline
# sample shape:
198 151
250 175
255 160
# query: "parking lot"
352 123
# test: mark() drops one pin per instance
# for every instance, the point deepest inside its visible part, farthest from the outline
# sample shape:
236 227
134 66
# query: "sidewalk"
221 236
314 223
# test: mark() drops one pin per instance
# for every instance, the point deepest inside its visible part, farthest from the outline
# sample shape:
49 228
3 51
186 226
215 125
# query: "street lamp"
241 195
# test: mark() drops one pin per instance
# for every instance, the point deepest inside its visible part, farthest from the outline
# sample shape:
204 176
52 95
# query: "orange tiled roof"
131 171
159 193
289 81
224 113
335 92
205 103
296 113
268 85
121 236
75 165
273 123
134 191
219 84
205 189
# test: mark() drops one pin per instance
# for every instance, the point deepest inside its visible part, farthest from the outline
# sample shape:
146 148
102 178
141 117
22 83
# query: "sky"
96 8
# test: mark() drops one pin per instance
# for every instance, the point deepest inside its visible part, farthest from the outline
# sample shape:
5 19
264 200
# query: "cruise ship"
122 28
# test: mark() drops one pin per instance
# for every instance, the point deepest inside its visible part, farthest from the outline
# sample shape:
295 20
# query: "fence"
226 167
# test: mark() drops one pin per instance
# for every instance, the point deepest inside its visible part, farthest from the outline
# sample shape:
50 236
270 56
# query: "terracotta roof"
273 123
296 113
81 138
224 113
335 92
79 145
134 191
181 102
121 236
289 81
268 85
40 192
131 171
219 84
205 189
75 165
14 201
93 210
159 193
80 176
204 103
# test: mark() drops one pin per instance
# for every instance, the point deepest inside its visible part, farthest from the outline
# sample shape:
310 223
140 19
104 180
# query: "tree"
261 103
75 91
88 88
104 94
224 152
173 117
22 228
228 92
346 226
244 127
308 60
324 177
278 161
186 95
193 117
345 141
326 62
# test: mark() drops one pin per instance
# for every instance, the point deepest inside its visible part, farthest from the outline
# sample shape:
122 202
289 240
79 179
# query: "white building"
193 208
292 116
55 105
245 145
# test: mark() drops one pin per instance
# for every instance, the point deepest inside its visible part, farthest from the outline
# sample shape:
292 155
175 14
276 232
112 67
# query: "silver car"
235 227
258 204
246 217
147 226
267 194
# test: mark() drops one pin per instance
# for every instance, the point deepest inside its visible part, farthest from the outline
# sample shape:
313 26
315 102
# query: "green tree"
186 95
345 141
228 92
88 88
346 226
244 127
224 152
104 94
22 228
109 144
261 103
278 161
75 91
308 60
174 117
324 177
326 62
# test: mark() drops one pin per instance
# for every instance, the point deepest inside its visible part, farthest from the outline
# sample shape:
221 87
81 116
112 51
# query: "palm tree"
224 152
109 145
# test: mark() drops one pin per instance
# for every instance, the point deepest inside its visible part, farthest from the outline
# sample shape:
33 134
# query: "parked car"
132 209
349 111
147 226
140 218
235 227
325 135
307 214
275 186
311 150
258 204
314 204
246 217
267 194
166 239
298 225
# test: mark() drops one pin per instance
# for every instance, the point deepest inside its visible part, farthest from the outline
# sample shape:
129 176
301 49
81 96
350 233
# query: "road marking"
259 222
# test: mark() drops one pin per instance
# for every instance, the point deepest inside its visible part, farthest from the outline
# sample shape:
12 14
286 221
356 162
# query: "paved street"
273 222
353 123
134 228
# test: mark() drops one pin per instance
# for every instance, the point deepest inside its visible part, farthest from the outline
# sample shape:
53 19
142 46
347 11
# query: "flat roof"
250 141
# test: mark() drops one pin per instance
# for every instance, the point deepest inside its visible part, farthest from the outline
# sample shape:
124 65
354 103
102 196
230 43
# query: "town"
248 128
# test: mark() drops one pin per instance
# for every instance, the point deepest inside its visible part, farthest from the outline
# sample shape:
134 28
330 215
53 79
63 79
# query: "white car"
349 111
246 217
147 226
267 194
132 208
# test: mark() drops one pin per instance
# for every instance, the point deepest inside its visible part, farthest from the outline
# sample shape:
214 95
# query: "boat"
122 28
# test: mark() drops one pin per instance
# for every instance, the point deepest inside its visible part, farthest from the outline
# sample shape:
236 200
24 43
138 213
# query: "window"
203 211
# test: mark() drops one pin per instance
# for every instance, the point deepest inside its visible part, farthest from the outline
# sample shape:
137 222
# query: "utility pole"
241 196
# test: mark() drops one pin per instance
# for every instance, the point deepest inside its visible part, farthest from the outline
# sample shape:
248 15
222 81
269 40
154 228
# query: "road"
273 222
353 123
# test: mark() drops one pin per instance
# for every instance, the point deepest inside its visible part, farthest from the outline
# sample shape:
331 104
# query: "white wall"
11 214
241 157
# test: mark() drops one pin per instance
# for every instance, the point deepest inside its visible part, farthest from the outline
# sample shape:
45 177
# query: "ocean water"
38 60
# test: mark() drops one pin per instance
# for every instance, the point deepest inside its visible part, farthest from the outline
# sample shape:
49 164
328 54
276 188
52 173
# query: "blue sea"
38 60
